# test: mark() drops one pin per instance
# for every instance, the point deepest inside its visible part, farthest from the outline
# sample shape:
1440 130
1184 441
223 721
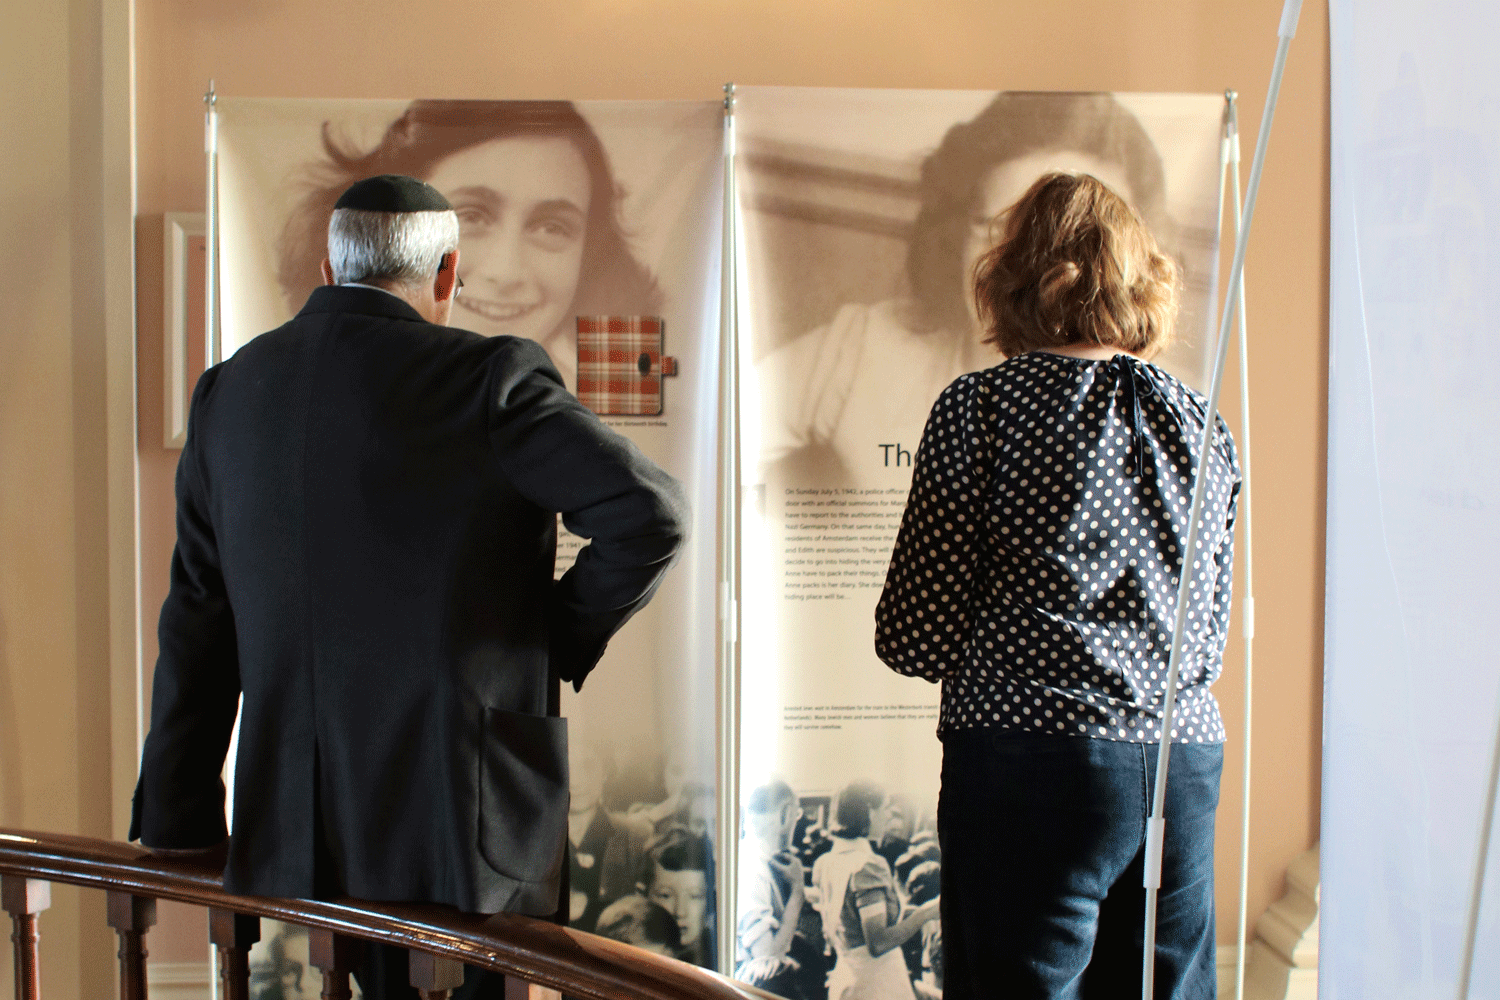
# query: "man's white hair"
403 248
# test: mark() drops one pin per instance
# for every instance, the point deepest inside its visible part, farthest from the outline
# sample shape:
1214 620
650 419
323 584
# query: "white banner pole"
729 616
211 276
1247 561
1156 825
210 351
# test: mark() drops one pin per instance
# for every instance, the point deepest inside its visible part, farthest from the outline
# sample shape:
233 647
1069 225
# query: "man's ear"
327 268
446 281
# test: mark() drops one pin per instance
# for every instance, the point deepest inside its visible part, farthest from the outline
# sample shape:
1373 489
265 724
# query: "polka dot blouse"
1036 570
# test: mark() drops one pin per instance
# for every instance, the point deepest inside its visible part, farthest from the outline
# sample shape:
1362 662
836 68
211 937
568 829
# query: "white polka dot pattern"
1036 570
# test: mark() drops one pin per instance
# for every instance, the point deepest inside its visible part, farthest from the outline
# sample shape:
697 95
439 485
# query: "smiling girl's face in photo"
522 206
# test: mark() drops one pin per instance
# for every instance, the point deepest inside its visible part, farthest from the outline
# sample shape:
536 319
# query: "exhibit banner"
595 229
860 216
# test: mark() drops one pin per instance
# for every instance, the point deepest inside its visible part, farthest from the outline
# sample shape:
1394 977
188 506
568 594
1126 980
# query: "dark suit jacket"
365 539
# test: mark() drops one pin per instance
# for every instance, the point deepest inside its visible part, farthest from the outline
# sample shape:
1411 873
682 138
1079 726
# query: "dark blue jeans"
1043 843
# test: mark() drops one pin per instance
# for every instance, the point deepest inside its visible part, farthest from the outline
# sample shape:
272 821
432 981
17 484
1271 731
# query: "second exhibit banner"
861 213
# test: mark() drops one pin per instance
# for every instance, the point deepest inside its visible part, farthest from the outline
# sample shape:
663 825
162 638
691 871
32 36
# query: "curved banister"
578 964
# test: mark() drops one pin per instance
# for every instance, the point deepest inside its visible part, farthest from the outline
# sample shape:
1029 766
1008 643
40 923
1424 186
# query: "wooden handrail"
578 964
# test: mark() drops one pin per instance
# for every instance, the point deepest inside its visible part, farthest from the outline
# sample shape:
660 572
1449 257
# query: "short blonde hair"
1075 264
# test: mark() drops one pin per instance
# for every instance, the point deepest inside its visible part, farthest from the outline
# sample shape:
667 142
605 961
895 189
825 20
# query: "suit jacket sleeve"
562 458
179 799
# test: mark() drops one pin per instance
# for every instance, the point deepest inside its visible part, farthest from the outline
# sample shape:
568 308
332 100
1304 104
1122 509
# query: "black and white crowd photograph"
838 894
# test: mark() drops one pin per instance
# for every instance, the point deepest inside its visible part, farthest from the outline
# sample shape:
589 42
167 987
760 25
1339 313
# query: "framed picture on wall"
185 258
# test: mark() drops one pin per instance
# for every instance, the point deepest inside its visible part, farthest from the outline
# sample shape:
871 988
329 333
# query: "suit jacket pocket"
523 794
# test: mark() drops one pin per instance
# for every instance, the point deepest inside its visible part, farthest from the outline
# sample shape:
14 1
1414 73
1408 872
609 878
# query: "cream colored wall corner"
118 283
67 447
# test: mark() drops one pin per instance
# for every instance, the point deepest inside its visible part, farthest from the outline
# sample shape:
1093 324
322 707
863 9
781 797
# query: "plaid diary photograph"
620 365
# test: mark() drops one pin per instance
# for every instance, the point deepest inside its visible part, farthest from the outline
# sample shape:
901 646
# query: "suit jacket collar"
365 301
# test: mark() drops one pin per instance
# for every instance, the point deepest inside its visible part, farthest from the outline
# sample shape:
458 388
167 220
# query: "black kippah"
393 193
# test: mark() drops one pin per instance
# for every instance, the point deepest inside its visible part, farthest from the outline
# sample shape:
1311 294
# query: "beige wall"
55 569
687 49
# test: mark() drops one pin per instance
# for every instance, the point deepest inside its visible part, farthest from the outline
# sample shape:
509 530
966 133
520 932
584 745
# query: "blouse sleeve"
923 620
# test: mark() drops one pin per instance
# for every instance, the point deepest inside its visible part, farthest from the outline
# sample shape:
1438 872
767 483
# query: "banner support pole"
1156 825
1247 553
214 345
729 615
211 346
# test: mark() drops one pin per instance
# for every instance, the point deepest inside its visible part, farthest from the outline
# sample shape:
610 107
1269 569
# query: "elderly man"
366 520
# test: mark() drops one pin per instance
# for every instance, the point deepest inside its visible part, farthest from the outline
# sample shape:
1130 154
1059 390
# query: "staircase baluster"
434 976
23 899
233 934
131 917
337 956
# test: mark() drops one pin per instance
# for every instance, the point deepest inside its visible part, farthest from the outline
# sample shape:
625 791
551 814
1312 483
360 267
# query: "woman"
538 213
861 908
1035 575
872 373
